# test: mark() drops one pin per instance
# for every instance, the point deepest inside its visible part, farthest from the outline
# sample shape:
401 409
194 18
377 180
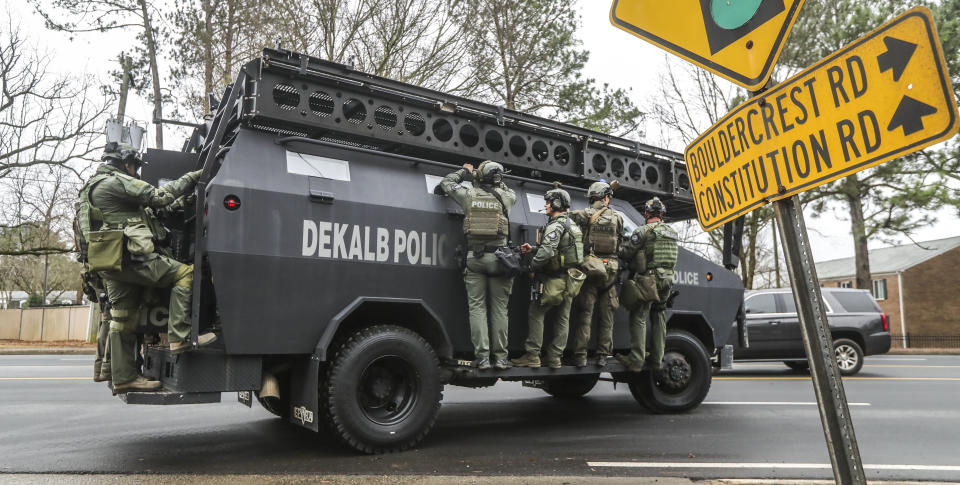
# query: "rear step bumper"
202 371
170 397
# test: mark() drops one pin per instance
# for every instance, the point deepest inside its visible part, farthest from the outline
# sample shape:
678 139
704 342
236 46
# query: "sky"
616 57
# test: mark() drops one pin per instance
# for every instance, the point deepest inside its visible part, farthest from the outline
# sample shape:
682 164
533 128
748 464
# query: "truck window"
760 303
432 182
315 166
535 202
857 301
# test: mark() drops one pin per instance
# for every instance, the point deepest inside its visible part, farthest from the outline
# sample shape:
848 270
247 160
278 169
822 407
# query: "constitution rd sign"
883 96
737 39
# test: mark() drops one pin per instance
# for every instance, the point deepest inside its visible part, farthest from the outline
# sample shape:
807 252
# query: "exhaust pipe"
269 387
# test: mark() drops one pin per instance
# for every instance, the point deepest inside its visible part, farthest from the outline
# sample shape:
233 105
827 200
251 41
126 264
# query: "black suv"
772 329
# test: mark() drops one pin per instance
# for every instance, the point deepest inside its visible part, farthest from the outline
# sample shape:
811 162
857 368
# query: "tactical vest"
603 237
569 249
485 216
664 250
87 217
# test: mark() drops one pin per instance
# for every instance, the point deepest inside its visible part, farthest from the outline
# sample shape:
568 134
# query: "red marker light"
886 324
231 202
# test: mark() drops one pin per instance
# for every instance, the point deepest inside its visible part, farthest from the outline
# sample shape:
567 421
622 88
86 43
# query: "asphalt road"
759 421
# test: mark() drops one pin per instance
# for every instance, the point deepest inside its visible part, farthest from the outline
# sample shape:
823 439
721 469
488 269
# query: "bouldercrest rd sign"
883 96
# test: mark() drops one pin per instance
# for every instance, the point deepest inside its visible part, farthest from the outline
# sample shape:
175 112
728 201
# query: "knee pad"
123 326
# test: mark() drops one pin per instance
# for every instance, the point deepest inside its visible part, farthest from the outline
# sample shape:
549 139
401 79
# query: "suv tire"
684 380
849 356
382 390
570 386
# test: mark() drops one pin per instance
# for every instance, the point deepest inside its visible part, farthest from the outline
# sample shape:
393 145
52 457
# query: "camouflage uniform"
483 276
651 249
122 199
559 248
597 292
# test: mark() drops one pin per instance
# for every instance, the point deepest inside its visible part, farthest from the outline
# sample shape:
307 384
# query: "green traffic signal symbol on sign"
727 21
731 14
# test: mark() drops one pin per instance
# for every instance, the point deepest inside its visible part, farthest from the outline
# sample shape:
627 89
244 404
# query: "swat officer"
602 229
652 252
115 202
486 224
94 289
559 249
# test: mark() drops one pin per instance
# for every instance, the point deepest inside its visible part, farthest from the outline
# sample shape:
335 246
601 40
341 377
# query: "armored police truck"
328 264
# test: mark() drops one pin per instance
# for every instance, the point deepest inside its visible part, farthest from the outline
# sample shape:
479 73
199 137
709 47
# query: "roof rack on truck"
296 95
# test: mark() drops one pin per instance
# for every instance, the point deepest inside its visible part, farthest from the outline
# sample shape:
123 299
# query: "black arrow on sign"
897 56
909 115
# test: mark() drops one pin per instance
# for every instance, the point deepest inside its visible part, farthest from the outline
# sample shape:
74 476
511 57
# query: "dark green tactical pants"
103 349
601 295
536 314
485 288
658 323
125 290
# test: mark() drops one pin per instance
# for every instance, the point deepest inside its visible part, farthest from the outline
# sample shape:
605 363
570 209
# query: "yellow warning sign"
737 39
883 96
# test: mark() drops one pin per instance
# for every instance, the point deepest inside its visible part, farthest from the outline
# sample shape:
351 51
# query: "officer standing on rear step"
602 230
651 252
119 232
486 224
559 252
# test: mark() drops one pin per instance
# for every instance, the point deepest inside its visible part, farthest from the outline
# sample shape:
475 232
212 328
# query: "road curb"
47 351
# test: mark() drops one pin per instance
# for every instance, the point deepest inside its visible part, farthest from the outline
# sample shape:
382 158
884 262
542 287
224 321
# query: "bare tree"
50 128
211 39
82 16
416 41
44 119
526 56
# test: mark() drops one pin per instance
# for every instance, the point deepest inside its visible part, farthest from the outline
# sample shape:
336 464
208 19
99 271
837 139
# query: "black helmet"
558 199
489 172
655 207
131 156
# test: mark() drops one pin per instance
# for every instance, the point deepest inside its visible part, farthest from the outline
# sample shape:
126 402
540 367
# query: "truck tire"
382 391
570 386
849 356
683 381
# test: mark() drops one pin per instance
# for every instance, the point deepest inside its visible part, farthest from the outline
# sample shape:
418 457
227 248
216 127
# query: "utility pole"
124 86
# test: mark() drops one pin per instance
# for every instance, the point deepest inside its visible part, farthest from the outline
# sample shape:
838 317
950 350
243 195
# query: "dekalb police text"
346 241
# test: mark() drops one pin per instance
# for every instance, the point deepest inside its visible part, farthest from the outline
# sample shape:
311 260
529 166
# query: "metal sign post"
831 398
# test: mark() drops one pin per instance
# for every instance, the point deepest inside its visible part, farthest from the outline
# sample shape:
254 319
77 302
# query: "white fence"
46 324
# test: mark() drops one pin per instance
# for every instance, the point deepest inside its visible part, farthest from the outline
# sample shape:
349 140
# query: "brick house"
916 286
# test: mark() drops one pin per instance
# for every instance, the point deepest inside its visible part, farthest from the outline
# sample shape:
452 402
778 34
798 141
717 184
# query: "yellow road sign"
883 96
737 39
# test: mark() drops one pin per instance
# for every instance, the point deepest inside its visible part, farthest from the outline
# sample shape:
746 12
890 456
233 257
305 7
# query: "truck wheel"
797 365
683 381
570 386
382 391
849 356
